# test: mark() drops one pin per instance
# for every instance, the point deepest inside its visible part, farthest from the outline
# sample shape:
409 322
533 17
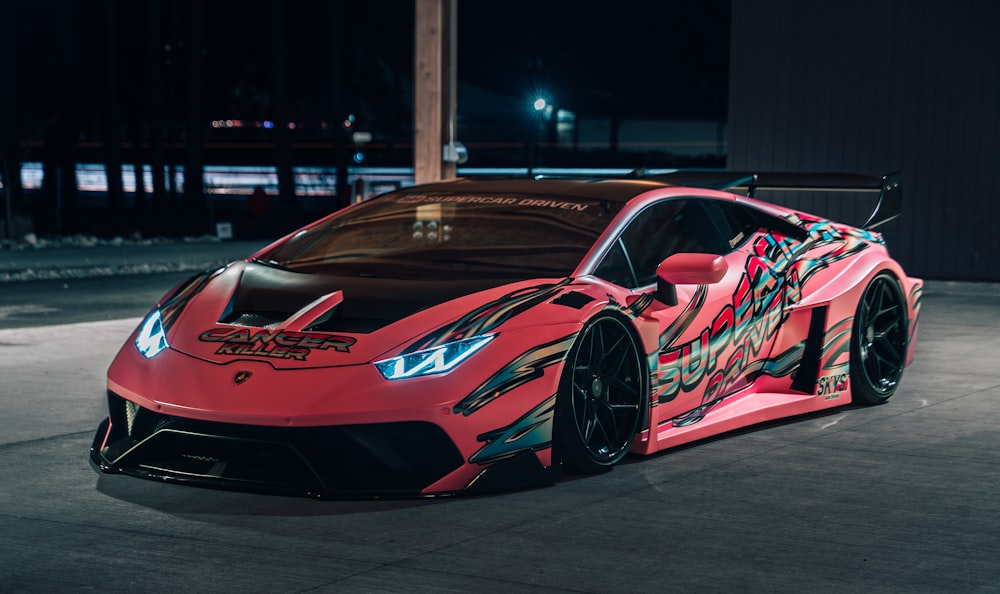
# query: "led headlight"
434 360
152 336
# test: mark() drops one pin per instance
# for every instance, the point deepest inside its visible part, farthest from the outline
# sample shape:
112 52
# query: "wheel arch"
620 315
862 389
647 358
851 277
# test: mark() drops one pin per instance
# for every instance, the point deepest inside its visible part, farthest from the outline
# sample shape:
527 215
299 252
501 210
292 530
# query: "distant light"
291 125
268 124
540 104
359 157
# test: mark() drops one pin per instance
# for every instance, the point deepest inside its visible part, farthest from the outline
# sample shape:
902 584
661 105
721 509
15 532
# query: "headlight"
152 336
430 361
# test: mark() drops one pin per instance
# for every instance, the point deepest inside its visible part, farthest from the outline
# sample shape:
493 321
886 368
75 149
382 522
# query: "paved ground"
897 498
74 262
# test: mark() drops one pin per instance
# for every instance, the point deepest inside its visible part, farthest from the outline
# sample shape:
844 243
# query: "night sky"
656 58
664 58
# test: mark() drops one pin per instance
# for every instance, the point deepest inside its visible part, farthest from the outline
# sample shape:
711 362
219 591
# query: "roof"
618 190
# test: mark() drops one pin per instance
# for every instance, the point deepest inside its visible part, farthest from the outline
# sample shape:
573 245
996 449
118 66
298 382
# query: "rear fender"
842 290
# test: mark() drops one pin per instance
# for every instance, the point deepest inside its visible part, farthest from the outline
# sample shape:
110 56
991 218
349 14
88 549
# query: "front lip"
279 461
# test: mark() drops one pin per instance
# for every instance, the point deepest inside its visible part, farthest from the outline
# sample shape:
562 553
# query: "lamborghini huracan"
479 335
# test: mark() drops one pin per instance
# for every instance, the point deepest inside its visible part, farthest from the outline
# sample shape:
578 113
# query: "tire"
601 397
878 341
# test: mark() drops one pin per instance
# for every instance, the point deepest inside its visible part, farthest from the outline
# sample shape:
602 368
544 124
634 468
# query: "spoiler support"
888 206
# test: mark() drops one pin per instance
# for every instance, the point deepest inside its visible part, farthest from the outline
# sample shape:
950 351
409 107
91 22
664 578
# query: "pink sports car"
479 335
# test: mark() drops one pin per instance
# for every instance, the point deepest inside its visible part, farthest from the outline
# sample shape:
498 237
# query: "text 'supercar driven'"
470 336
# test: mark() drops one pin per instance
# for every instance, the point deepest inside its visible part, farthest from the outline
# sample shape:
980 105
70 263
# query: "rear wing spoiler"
888 206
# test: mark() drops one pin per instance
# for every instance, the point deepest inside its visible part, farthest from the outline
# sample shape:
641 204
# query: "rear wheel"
878 344
601 396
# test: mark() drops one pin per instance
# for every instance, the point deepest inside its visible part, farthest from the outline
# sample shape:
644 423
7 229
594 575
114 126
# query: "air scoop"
315 313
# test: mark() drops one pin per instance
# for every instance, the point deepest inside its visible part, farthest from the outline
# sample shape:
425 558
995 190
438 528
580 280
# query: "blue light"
432 361
152 336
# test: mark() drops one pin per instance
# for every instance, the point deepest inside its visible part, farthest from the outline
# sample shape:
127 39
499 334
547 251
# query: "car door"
711 338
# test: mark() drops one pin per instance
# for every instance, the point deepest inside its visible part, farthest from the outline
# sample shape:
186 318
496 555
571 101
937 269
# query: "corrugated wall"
872 86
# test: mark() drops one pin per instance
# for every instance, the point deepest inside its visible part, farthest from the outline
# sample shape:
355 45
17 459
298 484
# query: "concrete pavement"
895 498
82 260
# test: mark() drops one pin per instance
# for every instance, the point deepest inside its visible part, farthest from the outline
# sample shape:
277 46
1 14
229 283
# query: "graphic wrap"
522 370
279 344
833 381
914 299
487 317
727 353
531 432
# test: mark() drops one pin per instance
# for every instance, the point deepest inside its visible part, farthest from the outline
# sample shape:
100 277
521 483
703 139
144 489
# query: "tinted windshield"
416 234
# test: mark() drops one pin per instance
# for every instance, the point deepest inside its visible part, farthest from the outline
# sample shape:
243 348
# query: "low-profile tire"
878 341
601 397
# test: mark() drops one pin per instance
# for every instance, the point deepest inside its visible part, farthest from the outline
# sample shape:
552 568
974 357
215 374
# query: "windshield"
416 234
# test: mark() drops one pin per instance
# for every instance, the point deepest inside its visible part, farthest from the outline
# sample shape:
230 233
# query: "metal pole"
59 198
8 224
449 168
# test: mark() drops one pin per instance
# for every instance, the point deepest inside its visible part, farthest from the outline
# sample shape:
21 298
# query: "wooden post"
433 88
427 80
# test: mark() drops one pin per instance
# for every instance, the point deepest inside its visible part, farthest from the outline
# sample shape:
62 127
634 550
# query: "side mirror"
687 269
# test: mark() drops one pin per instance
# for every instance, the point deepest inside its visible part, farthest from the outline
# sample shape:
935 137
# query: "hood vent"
255 319
269 297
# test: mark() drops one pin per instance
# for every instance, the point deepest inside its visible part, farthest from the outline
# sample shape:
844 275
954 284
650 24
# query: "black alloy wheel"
602 393
879 341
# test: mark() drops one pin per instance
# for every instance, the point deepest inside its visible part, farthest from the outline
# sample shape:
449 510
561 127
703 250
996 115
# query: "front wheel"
601 397
878 344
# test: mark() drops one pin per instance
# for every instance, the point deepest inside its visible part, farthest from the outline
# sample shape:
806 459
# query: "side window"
735 224
700 232
616 267
652 237
633 260
670 227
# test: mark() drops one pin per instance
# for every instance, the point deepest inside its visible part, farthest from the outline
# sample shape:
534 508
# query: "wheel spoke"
890 349
589 424
622 385
609 429
605 388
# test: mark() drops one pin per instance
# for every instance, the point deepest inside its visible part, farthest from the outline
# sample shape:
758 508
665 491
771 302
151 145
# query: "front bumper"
386 459
378 460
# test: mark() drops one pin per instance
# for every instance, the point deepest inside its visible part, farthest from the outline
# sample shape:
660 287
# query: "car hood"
295 320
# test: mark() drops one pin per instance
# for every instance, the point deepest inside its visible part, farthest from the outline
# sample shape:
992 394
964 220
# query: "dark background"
120 83
895 85
874 87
